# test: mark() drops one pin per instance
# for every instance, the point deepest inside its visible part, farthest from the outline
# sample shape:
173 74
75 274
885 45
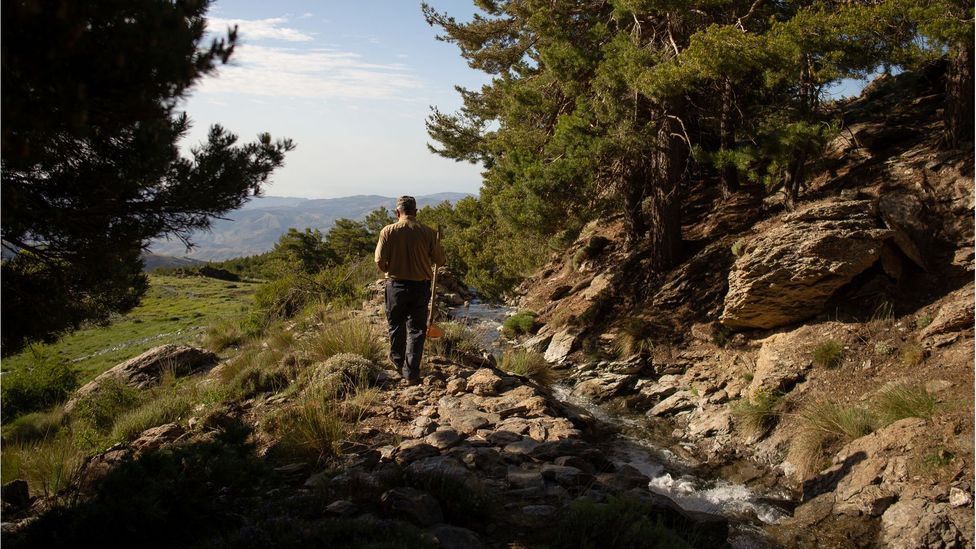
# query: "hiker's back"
410 249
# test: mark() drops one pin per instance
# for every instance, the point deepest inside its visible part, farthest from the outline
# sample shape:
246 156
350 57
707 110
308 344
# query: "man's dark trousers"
406 312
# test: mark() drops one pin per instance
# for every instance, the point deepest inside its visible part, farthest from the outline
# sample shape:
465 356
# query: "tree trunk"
635 190
664 207
730 174
794 177
959 112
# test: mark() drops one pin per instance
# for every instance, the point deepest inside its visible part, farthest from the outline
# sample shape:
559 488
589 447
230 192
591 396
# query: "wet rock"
146 370
678 402
16 493
484 382
605 386
414 505
561 346
787 273
454 537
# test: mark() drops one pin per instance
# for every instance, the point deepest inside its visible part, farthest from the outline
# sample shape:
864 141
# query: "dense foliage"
599 108
91 167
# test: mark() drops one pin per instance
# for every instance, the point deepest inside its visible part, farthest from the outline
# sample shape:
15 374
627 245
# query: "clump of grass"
45 381
49 465
738 246
883 348
911 355
313 428
258 373
828 354
341 375
527 363
168 407
35 426
902 401
634 338
760 414
518 324
100 409
823 425
457 342
922 321
223 334
351 336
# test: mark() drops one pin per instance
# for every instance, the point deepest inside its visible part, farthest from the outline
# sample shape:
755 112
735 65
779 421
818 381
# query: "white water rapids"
668 473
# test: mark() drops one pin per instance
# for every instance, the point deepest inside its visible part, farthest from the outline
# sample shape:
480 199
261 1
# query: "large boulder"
146 370
787 273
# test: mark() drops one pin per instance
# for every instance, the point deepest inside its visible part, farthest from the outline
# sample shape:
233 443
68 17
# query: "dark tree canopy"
91 165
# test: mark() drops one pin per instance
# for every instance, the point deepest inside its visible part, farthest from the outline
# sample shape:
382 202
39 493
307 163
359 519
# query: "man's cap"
407 203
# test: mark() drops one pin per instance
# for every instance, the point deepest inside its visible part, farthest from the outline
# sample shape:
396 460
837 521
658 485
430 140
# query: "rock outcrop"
788 273
146 370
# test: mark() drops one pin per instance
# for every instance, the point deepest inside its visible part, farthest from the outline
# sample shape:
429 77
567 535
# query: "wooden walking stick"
434 331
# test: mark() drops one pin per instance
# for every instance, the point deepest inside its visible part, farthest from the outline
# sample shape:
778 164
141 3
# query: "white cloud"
310 73
259 29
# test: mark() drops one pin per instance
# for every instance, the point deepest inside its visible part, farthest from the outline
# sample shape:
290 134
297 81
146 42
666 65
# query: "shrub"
281 298
342 374
527 363
828 354
311 429
825 424
46 382
519 324
901 401
759 415
922 321
351 336
621 522
100 409
738 247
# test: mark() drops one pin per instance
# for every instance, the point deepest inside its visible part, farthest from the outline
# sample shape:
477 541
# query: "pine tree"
91 167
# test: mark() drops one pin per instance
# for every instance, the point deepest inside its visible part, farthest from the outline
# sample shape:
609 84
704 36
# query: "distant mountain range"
256 227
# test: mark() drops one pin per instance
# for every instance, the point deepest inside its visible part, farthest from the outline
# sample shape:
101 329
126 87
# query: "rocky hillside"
827 350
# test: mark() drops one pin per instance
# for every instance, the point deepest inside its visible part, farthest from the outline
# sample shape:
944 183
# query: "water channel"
746 510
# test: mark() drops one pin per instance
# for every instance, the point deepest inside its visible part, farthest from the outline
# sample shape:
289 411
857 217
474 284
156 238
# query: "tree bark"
959 112
667 174
729 173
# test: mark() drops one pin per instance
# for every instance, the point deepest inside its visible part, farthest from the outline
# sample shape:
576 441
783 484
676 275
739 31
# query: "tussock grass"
903 401
634 338
757 416
48 465
313 428
35 426
828 354
224 334
458 342
527 363
825 424
351 336
99 410
911 355
42 380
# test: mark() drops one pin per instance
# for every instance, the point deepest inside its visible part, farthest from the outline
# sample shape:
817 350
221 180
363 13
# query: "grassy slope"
174 310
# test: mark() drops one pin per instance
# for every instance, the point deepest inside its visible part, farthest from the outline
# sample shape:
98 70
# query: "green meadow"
174 310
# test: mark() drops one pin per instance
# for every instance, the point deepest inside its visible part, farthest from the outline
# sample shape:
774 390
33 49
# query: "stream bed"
746 510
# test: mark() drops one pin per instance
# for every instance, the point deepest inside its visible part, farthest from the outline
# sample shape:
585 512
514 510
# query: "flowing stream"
670 476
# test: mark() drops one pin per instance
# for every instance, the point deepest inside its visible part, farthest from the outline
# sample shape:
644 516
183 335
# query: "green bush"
458 342
168 407
527 363
828 354
518 324
100 409
922 321
35 426
47 381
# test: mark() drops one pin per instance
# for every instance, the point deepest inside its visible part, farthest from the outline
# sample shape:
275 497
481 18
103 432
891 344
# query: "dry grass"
823 425
351 336
634 338
828 354
903 401
757 416
911 355
527 363
49 465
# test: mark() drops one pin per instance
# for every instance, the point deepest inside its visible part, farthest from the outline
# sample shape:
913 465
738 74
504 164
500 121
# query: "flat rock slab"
443 439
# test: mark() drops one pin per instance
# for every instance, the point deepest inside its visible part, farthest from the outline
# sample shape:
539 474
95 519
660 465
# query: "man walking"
406 252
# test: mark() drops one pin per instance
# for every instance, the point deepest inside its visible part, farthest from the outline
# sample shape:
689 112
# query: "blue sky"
350 82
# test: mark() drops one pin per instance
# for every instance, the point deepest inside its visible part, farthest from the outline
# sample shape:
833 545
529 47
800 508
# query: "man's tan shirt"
407 249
